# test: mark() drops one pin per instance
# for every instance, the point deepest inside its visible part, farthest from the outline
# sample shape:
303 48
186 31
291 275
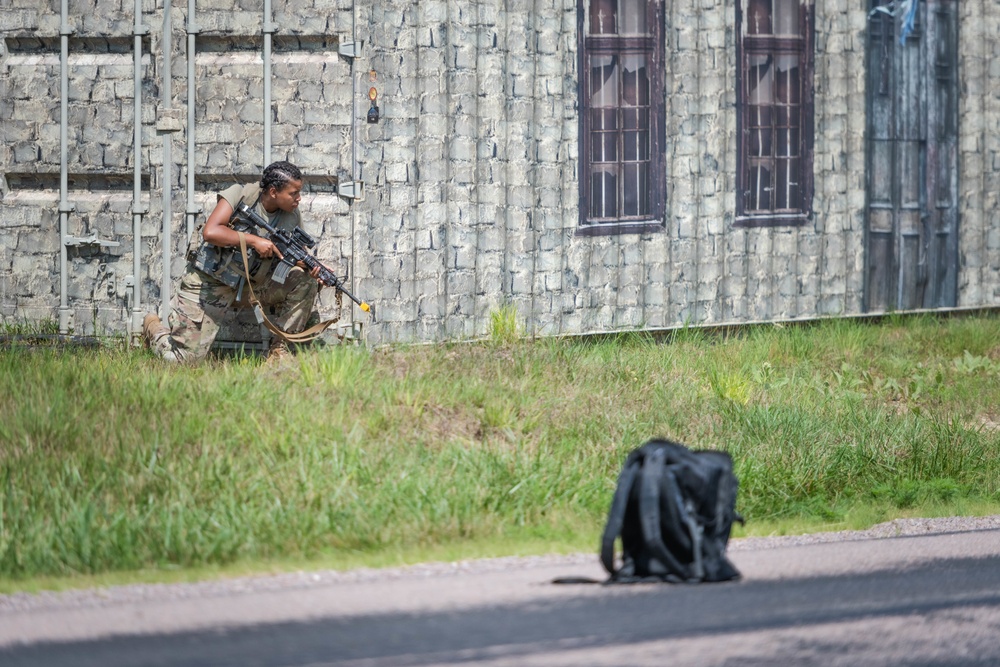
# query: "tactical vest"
225 264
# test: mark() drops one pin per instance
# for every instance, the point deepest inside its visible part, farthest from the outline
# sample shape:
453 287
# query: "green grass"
115 466
505 325
25 328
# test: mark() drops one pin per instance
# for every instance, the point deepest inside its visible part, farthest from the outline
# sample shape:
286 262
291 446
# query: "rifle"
294 247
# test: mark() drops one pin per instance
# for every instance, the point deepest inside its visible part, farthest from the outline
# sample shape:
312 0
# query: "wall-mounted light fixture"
373 110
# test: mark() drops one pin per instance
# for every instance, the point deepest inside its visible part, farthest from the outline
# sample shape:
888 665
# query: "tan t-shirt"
250 193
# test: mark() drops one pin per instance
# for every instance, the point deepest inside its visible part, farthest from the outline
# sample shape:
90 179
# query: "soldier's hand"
266 248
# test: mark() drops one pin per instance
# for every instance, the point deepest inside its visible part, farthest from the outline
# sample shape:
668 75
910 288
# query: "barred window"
622 115
775 111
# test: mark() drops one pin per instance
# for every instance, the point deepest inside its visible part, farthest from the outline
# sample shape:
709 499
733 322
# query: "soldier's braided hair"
277 174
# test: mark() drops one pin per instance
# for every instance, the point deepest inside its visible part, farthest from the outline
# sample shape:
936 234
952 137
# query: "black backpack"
674 509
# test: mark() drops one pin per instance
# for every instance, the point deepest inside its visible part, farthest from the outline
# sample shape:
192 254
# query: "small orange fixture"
372 94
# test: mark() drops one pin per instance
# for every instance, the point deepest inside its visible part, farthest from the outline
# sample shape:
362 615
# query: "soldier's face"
288 197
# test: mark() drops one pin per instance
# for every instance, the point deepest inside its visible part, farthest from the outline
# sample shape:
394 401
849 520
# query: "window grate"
775 111
622 163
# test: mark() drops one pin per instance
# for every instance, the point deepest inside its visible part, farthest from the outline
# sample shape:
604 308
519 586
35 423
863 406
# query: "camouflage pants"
202 301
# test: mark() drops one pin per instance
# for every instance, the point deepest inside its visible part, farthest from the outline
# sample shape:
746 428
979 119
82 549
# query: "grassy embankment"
116 467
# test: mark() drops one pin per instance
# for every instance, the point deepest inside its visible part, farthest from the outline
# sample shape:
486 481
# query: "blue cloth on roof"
909 9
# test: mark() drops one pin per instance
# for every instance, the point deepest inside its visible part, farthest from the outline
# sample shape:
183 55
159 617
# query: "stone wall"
979 153
475 197
311 125
471 175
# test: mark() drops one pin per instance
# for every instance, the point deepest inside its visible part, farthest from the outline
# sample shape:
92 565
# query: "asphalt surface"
930 599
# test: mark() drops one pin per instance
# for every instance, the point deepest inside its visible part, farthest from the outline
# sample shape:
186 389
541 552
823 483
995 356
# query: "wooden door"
912 217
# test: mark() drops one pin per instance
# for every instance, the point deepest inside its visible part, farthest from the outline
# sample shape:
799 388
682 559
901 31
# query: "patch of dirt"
446 424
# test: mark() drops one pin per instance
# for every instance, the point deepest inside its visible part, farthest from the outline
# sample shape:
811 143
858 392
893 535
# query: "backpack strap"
616 515
654 471
685 512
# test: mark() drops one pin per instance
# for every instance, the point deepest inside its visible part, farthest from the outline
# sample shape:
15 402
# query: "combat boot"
152 328
277 352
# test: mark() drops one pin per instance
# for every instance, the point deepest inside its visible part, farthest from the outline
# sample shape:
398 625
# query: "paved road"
918 600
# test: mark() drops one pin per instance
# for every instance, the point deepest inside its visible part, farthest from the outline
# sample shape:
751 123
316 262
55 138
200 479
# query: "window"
774 177
622 116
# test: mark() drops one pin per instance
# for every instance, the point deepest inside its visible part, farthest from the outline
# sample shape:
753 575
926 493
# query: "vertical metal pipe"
268 29
167 166
64 206
355 168
355 176
137 207
192 29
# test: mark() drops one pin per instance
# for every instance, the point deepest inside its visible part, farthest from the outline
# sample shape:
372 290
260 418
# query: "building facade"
597 165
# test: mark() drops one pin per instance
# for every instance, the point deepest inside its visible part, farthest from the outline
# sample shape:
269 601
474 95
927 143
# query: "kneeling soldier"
215 271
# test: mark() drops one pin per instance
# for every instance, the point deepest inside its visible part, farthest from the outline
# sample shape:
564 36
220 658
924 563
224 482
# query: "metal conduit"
268 28
65 208
167 165
355 168
192 29
138 210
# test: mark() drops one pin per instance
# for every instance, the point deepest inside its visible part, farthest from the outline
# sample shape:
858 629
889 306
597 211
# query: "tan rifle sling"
309 334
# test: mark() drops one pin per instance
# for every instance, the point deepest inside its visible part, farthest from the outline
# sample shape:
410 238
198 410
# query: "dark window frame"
804 47
652 44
